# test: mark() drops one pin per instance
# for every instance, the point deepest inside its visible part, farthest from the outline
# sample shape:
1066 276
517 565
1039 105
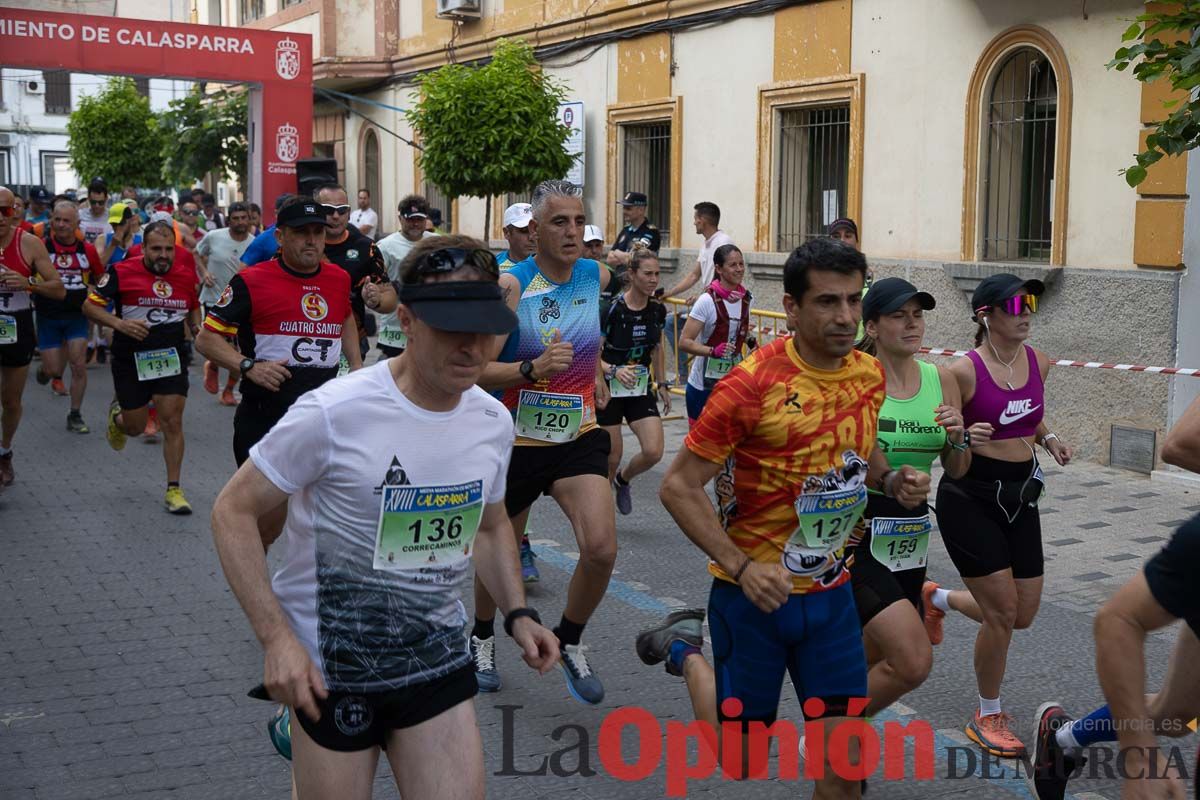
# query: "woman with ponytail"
716 328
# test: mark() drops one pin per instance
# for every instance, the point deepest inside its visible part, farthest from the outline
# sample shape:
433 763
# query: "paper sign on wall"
571 115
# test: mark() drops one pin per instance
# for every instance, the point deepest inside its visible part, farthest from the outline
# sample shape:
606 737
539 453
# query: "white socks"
988 707
1066 738
941 599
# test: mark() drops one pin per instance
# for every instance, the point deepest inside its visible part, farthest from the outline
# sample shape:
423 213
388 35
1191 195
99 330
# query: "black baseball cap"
995 289
298 215
633 199
890 294
40 195
459 306
414 210
843 222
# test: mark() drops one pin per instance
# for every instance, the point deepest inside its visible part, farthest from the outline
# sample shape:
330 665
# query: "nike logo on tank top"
1014 413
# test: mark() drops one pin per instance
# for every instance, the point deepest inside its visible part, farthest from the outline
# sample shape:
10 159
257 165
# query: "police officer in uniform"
637 230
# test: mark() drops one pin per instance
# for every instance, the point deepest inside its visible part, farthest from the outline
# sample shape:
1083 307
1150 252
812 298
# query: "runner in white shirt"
396 476
93 215
706 220
412 211
364 217
218 259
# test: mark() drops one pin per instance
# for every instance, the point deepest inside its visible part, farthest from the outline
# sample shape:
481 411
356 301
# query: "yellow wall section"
812 40
1158 233
644 68
431 26
1168 176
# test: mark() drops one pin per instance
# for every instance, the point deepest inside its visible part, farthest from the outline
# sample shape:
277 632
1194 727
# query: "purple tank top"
1013 413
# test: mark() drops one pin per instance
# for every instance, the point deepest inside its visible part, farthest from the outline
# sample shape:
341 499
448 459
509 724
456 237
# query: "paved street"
125 661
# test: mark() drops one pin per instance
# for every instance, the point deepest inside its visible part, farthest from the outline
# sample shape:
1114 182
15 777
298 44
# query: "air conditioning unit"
460 9
34 87
6 139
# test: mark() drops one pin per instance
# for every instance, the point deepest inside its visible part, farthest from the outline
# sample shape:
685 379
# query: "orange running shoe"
993 733
57 386
227 398
151 432
210 377
931 615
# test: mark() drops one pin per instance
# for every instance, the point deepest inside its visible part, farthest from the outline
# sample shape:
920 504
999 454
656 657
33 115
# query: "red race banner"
277 65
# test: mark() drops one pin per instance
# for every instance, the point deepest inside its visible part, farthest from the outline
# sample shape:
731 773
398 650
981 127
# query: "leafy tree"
203 133
114 134
491 129
1166 46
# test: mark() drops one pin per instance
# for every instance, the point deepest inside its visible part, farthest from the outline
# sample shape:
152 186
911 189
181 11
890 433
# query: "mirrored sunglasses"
453 258
1022 302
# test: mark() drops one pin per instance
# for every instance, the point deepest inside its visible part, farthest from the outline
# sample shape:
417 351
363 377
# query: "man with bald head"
61 325
22 258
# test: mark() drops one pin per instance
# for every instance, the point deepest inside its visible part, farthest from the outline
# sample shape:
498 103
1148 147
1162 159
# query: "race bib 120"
549 417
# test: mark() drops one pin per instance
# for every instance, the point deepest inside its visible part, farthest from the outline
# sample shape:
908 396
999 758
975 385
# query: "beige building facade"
965 137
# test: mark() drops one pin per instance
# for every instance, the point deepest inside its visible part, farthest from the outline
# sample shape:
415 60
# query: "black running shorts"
534 469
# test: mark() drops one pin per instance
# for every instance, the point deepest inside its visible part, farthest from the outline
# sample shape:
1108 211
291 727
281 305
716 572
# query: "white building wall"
918 57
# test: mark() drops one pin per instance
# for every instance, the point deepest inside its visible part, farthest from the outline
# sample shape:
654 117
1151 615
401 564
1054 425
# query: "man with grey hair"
551 382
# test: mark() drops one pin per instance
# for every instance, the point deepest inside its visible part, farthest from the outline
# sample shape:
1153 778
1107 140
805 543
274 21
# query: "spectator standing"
707 220
364 217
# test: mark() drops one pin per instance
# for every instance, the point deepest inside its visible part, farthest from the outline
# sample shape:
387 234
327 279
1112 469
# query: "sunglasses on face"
8 211
188 213
342 209
1022 302
453 258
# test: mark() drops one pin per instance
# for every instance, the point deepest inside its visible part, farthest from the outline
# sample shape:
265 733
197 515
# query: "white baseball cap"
591 233
518 215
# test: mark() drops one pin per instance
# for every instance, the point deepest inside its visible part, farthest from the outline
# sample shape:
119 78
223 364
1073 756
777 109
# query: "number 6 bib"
549 417
826 520
8 329
425 526
900 543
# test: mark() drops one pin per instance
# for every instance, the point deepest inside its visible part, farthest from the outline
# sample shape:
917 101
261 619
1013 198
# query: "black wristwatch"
527 371
517 613
245 365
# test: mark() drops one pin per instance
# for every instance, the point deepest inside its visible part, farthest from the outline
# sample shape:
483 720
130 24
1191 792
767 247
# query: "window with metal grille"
58 91
646 168
436 199
1018 175
143 86
287 3
250 10
812 172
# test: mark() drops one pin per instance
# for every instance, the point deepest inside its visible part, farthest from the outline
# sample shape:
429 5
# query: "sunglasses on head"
1022 302
453 258
342 209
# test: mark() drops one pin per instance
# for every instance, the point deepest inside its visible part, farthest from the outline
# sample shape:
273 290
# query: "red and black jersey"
14 260
278 314
363 262
79 266
161 301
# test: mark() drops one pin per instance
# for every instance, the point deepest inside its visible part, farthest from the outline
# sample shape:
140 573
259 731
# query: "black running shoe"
1052 766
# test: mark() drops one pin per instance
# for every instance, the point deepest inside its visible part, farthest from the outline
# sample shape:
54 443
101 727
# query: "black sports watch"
516 614
245 365
527 371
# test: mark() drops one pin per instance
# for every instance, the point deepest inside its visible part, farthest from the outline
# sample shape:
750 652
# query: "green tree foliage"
1165 45
493 129
203 133
114 134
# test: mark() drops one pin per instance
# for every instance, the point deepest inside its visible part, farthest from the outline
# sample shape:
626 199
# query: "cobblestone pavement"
125 660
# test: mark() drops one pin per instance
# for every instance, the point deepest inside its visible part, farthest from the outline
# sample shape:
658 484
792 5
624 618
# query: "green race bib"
549 417
343 365
393 337
900 544
618 389
8 330
717 368
826 520
424 526
154 364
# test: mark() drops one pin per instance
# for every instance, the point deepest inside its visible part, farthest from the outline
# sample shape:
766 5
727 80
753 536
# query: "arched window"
369 177
1018 209
1017 148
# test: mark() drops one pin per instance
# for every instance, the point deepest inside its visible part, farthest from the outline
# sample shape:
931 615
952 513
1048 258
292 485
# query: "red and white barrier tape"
1062 362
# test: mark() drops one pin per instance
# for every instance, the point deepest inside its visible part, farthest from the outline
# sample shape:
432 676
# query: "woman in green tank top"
921 420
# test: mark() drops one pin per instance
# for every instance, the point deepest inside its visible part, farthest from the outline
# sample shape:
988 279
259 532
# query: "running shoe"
483 656
1052 766
41 376
58 387
931 615
150 435
115 434
653 645
7 475
176 502
624 497
102 354
529 570
75 423
279 728
227 398
994 734
210 377
583 684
